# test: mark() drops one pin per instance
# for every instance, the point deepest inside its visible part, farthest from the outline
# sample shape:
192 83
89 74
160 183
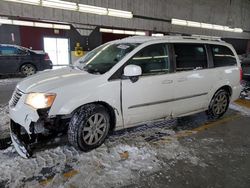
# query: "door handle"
167 82
182 79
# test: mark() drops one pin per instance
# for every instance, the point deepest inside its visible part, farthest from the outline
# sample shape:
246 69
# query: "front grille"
15 97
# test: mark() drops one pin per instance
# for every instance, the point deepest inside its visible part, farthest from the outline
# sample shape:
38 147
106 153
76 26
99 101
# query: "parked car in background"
17 59
245 64
122 84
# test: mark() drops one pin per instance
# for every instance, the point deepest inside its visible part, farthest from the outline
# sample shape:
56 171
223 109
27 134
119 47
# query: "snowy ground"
120 161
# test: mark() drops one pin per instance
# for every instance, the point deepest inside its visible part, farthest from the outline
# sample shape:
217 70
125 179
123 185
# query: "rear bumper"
47 64
236 92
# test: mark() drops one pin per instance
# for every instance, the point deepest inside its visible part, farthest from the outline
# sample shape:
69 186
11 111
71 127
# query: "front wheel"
89 127
219 104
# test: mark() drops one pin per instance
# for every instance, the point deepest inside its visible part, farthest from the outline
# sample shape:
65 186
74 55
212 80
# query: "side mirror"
133 72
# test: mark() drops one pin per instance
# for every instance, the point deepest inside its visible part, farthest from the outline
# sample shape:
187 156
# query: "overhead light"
34 24
140 33
157 35
238 30
60 4
205 25
43 25
92 9
60 26
218 27
193 24
116 31
120 13
104 30
124 32
31 2
23 23
179 22
5 21
129 32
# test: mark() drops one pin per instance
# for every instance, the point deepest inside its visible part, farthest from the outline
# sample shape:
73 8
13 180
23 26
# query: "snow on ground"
4 121
120 161
243 110
9 81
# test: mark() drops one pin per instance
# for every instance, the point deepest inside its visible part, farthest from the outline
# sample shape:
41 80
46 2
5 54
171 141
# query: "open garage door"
58 50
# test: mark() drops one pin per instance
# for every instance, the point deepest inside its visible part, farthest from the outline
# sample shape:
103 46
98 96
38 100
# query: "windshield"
103 58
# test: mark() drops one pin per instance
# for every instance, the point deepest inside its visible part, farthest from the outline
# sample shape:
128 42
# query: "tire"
219 104
28 69
5 143
84 127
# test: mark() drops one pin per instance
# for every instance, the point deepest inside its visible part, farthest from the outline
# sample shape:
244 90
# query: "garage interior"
190 151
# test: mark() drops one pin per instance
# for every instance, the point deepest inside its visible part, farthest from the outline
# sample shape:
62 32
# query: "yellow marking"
44 183
215 123
70 174
203 127
243 102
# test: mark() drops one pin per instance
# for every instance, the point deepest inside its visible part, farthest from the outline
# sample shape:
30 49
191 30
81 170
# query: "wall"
7 32
233 13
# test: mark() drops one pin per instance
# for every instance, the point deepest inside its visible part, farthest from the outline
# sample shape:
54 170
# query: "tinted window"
7 50
190 56
223 56
152 59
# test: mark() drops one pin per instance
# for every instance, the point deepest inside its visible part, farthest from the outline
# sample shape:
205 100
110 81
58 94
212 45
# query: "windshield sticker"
122 46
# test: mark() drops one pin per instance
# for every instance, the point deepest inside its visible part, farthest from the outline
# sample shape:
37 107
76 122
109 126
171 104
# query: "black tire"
5 143
219 104
27 69
80 124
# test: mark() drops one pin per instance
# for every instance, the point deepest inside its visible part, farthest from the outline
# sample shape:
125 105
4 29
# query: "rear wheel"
28 69
219 104
89 127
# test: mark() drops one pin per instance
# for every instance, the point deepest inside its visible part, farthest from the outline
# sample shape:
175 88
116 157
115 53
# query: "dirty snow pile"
4 121
243 110
119 162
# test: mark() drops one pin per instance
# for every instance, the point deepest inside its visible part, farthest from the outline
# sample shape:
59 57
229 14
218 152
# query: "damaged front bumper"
19 141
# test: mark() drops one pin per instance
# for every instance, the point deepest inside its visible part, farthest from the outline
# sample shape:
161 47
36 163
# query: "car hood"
51 79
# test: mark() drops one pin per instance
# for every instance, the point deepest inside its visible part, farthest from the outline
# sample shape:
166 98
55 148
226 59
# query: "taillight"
46 57
241 74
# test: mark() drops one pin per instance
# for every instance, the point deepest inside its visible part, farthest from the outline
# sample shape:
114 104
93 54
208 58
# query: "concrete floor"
208 154
225 150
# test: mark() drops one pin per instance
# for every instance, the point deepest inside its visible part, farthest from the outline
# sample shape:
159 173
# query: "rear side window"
7 50
223 56
190 56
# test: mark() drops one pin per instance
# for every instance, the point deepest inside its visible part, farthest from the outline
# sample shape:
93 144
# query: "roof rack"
174 37
194 37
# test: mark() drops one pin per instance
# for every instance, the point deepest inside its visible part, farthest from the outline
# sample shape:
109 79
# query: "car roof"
11 45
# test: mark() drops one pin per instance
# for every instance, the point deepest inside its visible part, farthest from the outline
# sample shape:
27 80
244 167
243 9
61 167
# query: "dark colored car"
245 64
17 59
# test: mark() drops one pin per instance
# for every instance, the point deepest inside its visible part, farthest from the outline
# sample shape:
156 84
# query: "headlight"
40 100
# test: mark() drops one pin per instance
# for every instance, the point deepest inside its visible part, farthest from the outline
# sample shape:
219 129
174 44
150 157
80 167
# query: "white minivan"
124 83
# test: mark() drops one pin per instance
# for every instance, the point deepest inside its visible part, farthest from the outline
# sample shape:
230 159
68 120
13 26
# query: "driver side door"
150 97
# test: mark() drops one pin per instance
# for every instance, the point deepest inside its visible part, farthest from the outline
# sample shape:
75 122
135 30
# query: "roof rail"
195 37
175 37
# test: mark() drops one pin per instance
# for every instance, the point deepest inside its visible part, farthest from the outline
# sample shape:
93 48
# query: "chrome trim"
166 101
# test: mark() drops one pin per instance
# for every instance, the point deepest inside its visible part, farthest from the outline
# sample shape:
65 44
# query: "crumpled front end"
29 125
